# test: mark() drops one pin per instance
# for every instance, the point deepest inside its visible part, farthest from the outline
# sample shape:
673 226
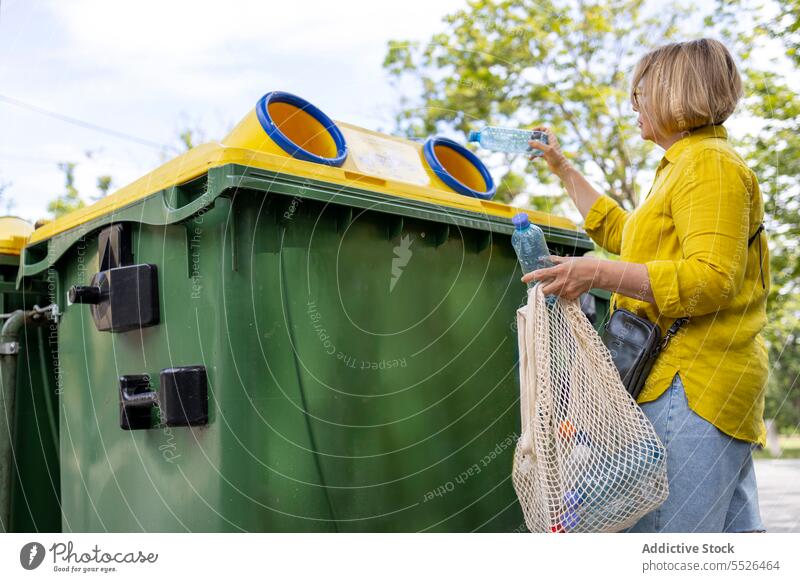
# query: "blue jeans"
712 482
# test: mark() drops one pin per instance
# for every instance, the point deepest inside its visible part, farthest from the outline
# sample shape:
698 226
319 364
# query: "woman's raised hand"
551 151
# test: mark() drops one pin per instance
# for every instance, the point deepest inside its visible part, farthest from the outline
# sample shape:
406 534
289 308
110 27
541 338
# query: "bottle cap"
474 136
521 221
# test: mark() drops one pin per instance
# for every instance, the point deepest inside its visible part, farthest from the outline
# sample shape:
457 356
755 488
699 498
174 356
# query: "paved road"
779 494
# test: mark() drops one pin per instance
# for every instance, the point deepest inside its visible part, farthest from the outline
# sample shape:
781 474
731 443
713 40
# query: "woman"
684 252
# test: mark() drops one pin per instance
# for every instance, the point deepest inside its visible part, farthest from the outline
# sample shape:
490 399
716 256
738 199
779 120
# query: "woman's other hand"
551 151
570 277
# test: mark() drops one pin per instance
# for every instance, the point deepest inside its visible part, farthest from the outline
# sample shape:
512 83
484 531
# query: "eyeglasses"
637 94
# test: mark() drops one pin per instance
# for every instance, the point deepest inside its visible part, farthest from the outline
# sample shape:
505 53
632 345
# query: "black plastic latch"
86 294
122 296
136 402
114 246
184 396
129 298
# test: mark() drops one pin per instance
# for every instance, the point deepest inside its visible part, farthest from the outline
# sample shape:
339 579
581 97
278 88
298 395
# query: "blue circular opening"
429 150
289 146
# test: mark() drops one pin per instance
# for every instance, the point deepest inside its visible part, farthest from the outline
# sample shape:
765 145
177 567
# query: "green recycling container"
306 327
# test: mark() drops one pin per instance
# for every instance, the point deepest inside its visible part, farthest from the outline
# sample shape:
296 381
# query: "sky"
150 68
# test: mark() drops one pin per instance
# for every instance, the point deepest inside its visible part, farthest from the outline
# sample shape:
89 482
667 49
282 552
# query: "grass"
790 449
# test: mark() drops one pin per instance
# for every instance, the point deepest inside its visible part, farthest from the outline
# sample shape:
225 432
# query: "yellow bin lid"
14 233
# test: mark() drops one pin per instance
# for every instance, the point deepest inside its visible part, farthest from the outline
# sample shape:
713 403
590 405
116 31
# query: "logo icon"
402 254
31 555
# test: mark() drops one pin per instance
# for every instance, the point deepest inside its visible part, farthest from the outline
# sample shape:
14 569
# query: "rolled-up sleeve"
711 215
604 223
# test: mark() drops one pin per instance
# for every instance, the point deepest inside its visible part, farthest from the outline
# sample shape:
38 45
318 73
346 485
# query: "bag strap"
758 231
671 332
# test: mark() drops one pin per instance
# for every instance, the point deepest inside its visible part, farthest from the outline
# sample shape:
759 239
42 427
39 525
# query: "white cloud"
184 29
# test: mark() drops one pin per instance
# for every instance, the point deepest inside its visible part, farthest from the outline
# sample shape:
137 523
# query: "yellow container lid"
332 152
14 233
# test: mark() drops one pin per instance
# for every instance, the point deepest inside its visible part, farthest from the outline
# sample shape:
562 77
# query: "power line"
85 124
28 159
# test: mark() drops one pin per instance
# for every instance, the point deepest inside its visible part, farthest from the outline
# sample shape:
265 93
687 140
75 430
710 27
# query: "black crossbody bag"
635 342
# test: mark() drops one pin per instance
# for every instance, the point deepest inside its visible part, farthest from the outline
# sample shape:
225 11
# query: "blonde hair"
686 85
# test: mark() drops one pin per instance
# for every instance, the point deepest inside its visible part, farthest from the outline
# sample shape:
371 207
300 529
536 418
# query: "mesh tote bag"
588 459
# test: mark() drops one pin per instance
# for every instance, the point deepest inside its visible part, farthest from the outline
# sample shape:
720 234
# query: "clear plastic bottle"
504 139
529 244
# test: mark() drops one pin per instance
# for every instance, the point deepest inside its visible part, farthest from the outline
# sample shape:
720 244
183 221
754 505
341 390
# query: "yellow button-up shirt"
692 232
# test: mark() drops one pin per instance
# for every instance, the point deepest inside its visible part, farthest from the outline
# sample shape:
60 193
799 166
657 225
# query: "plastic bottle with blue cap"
510 141
529 244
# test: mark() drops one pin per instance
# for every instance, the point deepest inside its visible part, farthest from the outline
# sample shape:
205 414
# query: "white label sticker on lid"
385 158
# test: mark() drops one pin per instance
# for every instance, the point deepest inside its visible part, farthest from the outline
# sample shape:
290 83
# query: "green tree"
783 341
777 149
786 27
191 137
549 62
104 184
70 200
773 147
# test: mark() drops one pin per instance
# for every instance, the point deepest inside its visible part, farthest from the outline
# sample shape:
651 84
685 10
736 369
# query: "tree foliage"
70 200
104 184
190 137
787 28
551 62
772 145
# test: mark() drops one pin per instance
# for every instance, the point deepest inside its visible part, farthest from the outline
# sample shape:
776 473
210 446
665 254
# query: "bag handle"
527 368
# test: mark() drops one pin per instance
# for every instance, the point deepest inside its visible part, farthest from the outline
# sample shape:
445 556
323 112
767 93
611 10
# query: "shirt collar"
705 132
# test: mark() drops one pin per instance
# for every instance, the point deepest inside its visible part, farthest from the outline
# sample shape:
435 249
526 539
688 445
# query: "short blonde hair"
686 85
